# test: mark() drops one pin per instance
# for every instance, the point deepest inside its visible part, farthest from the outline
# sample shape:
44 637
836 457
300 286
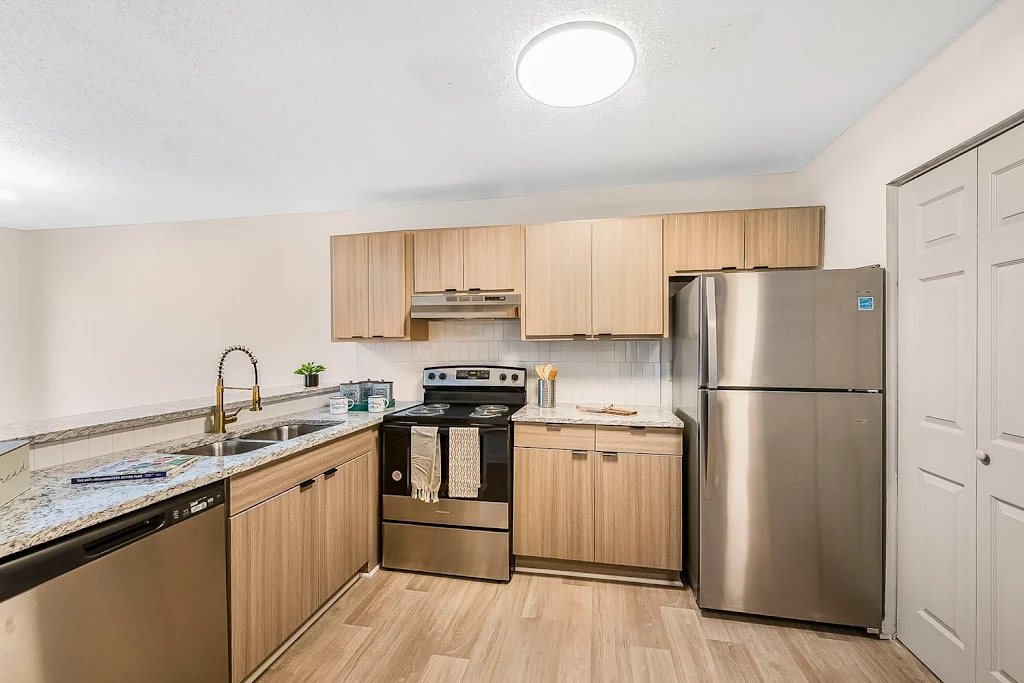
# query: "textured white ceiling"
113 111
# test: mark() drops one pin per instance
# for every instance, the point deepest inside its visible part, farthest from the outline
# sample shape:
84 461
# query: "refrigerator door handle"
705 450
712 327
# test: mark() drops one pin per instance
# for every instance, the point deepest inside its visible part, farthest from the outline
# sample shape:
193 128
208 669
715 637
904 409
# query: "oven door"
489 510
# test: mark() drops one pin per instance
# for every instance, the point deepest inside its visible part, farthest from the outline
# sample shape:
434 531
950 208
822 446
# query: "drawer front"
249 488
656 440
559 436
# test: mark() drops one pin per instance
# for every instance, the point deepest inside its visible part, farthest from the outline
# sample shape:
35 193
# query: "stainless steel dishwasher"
141 599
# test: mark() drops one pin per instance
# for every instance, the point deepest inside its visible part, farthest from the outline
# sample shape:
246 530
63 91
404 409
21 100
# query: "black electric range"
456 536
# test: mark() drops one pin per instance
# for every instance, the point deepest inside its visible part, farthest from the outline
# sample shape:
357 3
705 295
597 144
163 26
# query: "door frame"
892 259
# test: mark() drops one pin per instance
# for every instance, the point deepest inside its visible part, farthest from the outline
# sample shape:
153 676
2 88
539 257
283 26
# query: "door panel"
343 524
437 260
388 298
492 256
349 309
703 241
553 499
791 518
627 283
784 238
558 282
639 510
937 365
1001 408
799 329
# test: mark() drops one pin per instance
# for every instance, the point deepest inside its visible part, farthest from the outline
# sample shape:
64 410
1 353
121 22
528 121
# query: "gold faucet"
220 418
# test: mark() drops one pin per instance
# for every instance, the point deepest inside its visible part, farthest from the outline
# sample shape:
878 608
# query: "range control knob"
515 377
431 375
503 377
443 376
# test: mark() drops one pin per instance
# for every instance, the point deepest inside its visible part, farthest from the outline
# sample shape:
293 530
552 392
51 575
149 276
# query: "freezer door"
813 329
791 511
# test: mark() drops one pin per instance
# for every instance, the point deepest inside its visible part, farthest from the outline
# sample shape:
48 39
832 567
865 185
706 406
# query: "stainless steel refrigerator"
779 377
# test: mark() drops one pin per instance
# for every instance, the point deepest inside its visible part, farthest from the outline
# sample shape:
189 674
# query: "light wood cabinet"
438 260
638 507
344 508
784 238
627 277
349 281
267 544
553 503
371 282
558 280
704 241
493 258
291 551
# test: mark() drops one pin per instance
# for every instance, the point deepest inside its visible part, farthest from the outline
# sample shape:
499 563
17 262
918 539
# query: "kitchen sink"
285 432
229 447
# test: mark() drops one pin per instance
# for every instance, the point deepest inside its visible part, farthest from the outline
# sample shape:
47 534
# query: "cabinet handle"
637 428
357 336
377 336
609 454
473 289
553 425
728 267
451 290
331 472
604 334
306 484
760 267
575 453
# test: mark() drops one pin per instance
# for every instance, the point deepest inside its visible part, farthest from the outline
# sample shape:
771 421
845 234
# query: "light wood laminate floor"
425 629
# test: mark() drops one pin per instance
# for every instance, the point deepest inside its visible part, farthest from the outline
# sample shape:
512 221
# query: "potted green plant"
310 374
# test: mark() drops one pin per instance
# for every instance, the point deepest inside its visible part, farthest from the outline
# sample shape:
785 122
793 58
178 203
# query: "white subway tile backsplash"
101 444
47 455
123 440
76 449
144 437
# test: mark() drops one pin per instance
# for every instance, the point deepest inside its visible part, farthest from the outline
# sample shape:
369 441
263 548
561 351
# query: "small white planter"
14 470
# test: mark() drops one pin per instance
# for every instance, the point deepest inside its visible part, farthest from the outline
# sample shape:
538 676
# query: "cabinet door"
343 524
627 283
437 260
639 510
267 570
703 241
553 503
388 296
558 283
784 238
491 257
349 303
309 545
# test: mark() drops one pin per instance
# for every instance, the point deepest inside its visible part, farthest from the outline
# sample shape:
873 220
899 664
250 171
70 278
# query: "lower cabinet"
294 550
639 510
553 504
621 508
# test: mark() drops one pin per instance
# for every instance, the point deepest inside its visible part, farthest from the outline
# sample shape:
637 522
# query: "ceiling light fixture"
576 64
7 195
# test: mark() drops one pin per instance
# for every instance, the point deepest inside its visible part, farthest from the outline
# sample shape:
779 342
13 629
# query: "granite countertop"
646 416
87 424
53 507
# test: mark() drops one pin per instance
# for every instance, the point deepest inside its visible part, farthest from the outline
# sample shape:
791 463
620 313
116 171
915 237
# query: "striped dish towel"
463 462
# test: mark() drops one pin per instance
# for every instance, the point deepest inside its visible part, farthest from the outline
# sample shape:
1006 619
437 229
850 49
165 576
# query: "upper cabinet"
703 241
784 238
438 261
371 282
558 280
594 279
468 259
627 278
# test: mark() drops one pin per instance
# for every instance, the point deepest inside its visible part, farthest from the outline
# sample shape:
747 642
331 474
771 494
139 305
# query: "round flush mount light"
576 64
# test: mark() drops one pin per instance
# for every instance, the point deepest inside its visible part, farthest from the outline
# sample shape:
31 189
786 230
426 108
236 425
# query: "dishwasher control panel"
195 503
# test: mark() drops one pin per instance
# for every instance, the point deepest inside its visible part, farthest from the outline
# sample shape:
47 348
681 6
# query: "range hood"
465 306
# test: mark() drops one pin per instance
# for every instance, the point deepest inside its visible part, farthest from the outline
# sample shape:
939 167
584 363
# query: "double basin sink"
255 440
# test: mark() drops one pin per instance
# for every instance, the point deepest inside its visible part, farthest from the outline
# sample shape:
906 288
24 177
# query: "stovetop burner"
428 409
489 410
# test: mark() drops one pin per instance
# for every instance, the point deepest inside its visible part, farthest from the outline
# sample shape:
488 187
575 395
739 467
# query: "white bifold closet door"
937 411
1001 409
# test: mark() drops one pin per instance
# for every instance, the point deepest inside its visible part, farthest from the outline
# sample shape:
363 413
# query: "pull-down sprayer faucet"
220 418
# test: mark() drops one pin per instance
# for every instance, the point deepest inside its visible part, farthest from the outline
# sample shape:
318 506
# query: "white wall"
970 86
18 352
132 315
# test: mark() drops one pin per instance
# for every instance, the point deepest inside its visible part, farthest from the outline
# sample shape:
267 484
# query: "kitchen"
734 527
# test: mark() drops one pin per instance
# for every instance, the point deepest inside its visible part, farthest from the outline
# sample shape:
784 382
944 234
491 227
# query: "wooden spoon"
553 372
540 370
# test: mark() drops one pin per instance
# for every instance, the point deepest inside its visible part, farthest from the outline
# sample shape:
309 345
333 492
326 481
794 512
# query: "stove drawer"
443 550
447 511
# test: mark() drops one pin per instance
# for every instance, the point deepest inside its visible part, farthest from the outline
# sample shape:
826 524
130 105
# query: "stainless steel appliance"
142 597
460 537
471 306
779 378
